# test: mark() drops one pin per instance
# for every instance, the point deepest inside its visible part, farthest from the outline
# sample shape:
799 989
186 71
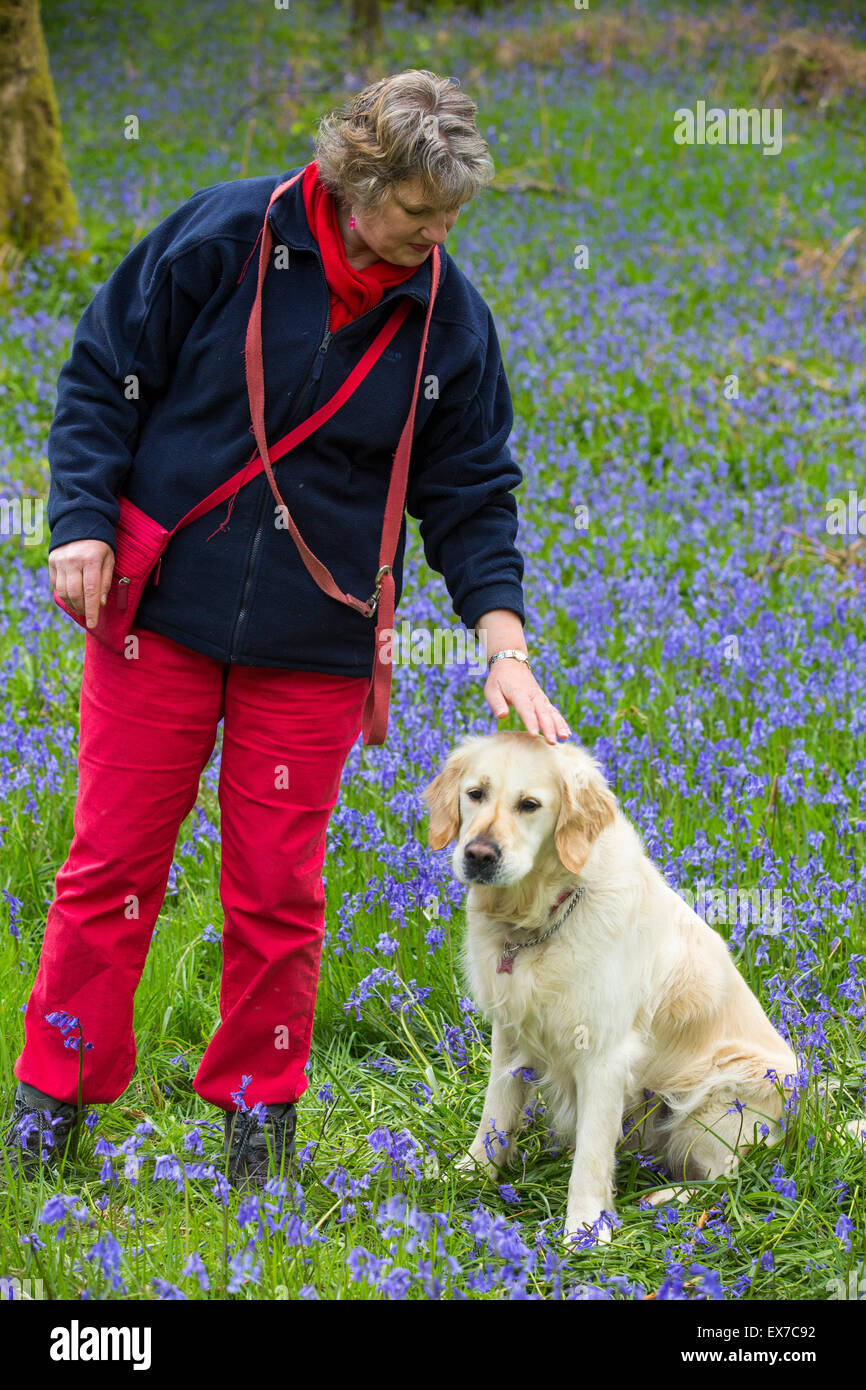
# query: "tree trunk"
366 25
37 206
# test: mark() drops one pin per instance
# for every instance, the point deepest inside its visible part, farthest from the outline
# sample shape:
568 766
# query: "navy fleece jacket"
152 403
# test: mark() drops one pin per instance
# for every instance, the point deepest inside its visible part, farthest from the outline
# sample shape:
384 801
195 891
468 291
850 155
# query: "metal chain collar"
509 951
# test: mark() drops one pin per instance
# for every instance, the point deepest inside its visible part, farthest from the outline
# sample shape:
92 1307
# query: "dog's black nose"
481 855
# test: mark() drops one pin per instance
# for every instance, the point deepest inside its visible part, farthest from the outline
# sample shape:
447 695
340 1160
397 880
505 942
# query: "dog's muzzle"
481 859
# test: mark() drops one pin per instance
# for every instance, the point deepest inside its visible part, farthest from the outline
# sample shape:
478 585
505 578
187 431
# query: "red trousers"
148 727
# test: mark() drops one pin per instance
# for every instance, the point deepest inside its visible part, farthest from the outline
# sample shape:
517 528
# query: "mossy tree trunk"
37 206
366 25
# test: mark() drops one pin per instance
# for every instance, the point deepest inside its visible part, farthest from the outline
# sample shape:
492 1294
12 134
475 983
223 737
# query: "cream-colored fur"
633 993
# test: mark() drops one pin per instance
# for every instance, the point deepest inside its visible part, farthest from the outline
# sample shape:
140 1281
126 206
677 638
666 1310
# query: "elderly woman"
157 402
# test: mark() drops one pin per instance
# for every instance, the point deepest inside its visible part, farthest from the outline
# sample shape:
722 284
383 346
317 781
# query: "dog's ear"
443 800
588 807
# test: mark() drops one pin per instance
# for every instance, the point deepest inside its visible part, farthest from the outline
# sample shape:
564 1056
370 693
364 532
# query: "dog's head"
510 799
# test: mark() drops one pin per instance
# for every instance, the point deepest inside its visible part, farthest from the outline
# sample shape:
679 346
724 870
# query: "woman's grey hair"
412 125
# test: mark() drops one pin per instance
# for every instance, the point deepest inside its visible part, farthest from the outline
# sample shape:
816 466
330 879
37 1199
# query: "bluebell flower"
65 1022
192 1141
244 1270
15 905
167 1292
107 1252
195 1267
238 1095
842 1231
782 1183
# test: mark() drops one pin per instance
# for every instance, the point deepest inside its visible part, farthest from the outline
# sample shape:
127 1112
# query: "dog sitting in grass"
595 974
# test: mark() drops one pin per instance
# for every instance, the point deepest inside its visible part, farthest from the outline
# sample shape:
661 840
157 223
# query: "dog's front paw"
683 1195
475 1166
588 1228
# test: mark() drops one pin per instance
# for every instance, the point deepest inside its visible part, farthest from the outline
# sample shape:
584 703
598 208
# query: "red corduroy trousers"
148 727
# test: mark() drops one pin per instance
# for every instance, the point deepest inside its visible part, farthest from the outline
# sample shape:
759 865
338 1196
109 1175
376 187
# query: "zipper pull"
122 594
320 355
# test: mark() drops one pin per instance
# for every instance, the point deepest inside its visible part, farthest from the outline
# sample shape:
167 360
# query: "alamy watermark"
23 516
439 646
12 1288
846 516
854 1288
736 905
77 1343
738 126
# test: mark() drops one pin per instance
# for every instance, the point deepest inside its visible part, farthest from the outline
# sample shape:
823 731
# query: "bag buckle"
373 600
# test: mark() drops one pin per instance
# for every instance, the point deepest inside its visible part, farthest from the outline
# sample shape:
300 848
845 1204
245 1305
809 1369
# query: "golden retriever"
630 992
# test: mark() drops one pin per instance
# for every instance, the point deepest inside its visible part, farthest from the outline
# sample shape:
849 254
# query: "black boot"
260 1149
39 1123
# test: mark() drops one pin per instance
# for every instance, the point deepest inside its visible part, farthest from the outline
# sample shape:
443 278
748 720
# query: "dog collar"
510 949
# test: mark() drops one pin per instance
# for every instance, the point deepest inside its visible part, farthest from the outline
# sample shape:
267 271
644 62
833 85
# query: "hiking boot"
260 1147
38 1131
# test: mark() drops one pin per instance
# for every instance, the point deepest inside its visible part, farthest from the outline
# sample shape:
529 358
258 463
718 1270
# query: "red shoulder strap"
255 465
256 390
375 716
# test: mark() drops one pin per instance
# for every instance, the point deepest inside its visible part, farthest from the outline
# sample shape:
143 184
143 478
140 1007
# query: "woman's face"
403 230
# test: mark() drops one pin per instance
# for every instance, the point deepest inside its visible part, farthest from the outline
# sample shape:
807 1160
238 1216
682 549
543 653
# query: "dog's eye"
475 794
529 804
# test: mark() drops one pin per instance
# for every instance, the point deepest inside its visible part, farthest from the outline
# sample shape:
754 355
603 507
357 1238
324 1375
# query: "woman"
153 404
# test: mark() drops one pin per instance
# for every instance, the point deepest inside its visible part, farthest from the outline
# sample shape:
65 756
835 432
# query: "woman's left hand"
510 683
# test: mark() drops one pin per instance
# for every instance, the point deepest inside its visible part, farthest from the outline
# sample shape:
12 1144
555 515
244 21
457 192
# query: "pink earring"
351 221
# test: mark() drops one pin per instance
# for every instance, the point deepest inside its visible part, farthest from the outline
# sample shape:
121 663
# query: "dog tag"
505 966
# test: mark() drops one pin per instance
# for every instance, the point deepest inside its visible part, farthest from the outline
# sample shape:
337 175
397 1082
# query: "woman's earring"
351 221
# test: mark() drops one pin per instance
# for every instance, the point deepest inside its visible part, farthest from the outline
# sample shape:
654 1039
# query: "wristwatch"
510 651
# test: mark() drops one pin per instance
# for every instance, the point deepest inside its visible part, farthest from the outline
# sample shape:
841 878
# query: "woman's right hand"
81 573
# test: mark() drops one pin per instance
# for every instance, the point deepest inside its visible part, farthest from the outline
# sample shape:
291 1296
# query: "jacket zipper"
313 376
320 355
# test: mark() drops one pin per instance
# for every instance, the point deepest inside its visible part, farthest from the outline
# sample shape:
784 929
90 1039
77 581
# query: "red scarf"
352 292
